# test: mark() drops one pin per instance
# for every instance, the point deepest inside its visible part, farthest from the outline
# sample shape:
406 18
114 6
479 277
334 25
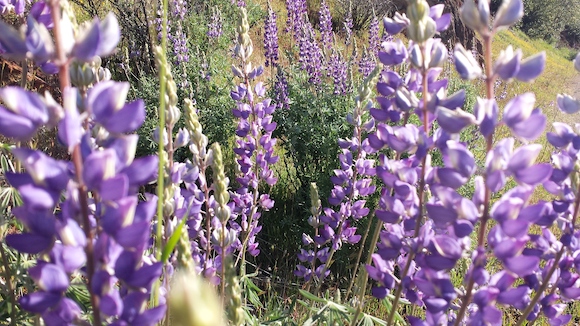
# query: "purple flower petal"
39 302
29 243
522 265
532 67
508 14
534 174
127 119
100 39
144 276
142 171
134 236
512 296
49 277
12 43
453 121
567 103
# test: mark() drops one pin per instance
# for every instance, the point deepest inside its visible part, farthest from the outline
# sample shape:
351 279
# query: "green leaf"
311 296
172 242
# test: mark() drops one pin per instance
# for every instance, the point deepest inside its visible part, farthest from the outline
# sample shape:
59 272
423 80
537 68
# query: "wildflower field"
298 162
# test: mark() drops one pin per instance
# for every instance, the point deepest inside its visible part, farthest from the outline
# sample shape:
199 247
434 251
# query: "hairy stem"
548 276
8 279
489 80
421 195
364 275
78 164
358 134
161 149
359 255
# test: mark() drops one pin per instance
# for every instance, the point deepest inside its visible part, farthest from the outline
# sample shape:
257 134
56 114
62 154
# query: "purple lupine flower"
366 63
352 184
239 3
99 39
296 14
214 28
271 38
325 26
254 148
374 41
17 5
41 13
23 114
337 70
310 54
35 44
348 26
281 95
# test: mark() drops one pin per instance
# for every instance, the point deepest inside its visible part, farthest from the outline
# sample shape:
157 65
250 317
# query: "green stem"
359 255
8 278
363 290
161 149
421 195
64 79
489 81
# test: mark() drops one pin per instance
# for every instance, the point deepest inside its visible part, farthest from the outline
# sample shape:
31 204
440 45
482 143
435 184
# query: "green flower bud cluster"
85 74
221 182
198 139
193 301
365 93
233 294
184 255
172 112
421 27
315 205
244 46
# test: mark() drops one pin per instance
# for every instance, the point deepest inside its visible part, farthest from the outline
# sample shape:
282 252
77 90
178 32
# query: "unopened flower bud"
313 221
421 27
193 302
156 136
466 65
508 14
475 16
173 115
96 62
103 74
81 74
182 138
438 55
416 57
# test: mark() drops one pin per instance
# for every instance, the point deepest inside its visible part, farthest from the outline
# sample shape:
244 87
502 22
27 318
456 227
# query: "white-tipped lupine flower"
465 63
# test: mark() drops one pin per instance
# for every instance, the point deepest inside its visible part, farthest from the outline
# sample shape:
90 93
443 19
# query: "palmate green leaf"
6 164
369 320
